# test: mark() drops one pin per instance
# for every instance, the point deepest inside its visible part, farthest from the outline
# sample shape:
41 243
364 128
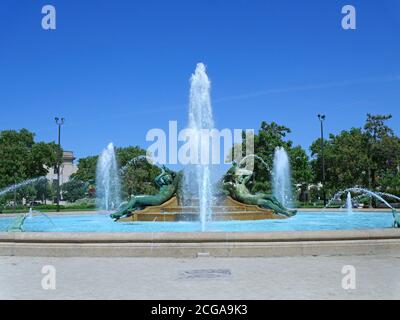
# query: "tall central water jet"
197 179
282 181
108 188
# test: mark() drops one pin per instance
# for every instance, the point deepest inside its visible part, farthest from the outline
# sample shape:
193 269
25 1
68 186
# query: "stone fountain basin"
273 244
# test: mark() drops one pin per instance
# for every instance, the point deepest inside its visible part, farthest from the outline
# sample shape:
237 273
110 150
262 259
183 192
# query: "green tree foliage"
137 178
302 173
346 160
270 136
383 149
28 193
86 169
74 190
367 157
44 191
139 175
21 158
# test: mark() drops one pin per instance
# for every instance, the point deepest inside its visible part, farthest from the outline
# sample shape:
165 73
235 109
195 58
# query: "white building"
66 169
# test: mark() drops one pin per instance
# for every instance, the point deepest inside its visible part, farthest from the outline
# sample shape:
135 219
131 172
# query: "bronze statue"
235 183
167 181
237 188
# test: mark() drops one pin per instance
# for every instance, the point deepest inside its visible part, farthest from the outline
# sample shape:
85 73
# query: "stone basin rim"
200 237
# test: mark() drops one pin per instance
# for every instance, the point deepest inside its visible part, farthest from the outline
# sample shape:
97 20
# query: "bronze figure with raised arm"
237 188
167 181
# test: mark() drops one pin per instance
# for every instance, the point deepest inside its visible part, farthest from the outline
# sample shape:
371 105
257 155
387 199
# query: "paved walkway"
202 278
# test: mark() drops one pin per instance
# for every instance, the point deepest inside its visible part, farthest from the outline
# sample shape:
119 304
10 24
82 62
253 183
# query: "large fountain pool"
303 221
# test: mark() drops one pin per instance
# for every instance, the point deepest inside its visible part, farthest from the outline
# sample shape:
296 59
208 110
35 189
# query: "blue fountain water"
304 221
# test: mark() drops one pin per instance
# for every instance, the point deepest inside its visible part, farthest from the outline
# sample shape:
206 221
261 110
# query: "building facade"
67 168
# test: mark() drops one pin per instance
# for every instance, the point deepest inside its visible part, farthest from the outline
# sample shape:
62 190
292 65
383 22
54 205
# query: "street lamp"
322 118
59 123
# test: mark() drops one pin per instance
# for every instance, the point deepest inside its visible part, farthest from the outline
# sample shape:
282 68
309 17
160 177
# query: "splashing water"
349 203
20 185
281 178
370 194
266 166
389 195
338 196
382 194
135 161
19 221
108 188
197 177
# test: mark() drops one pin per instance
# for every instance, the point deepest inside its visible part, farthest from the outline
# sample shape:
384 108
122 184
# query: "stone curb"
339 235
190 245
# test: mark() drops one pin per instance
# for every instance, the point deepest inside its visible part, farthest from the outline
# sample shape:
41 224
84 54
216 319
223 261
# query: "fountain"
371 194
200 119
281 178
266 166
135 161
190 197
20 185
389 195
108 188
349 203
18 223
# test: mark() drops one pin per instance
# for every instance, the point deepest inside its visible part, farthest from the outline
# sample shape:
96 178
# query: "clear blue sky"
115 69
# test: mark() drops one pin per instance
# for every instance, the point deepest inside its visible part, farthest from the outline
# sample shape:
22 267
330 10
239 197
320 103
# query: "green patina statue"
237 188
167 181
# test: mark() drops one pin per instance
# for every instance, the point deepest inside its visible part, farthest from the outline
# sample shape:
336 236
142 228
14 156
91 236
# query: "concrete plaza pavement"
201 278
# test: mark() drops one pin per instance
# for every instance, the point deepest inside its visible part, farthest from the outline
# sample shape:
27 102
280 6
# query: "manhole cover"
205 274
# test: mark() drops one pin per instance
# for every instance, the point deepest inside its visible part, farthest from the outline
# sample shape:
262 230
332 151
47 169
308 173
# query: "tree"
390 182
28 193
41 157
44 190
21 158
269 137
367 157
137 176
302 174
301 168
346 160
86 169
383 148
14 150
74 190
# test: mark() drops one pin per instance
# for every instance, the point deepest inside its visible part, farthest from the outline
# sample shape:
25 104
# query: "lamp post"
59 123
322 118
